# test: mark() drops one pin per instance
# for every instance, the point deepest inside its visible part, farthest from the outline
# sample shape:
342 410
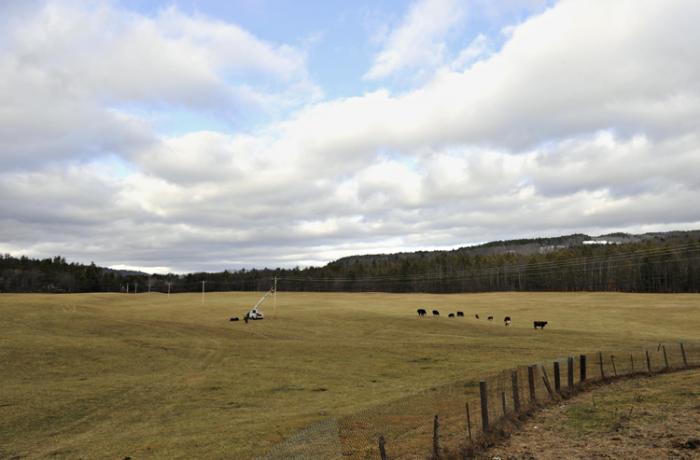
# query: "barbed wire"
406 424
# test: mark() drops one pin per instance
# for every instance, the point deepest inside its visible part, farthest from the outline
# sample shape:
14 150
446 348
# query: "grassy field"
113 375
642 418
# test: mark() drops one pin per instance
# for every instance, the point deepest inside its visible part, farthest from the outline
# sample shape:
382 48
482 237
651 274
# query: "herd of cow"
506 321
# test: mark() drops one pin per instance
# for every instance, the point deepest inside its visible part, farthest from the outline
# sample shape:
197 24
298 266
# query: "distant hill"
536 245
650 262
126 272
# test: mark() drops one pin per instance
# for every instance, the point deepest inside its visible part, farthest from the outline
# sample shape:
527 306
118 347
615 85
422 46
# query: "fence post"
436 438
612 360
483 392
382 450
582 368
557 377
665 356
531 382
648 361
516 391
469 423
632 362
570 374
685 359
545 379
503 402
600 362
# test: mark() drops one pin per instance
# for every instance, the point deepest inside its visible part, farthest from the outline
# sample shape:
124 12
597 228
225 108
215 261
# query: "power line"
530 267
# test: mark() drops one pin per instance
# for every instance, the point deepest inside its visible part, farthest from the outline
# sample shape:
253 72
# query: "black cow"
451 315
436 313
477 316
506 320
460 313
234 318
540 324
421 312
490 318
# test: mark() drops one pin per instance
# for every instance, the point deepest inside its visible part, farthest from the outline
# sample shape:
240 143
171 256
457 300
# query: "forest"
658 262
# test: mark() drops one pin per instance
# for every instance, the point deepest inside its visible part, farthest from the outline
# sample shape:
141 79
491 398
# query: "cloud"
418 41
75 80
479 47
553 79
170 58
442 198
585 120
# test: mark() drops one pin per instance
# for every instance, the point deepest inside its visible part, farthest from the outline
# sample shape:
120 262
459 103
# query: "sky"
181 136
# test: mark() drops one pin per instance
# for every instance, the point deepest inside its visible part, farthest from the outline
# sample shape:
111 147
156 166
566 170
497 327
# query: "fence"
448 420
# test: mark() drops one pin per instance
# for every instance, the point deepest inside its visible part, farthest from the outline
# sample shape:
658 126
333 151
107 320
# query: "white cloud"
555 78
170 58
74 78
418 41
585 120
477 48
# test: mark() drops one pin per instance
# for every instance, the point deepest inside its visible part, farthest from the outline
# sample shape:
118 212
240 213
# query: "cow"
506 320
477 316
540 324
460 313
234 318
436 313
421 312
490 318
451 315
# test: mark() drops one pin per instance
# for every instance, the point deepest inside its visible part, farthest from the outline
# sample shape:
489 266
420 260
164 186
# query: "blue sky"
337 33
200 135
340 39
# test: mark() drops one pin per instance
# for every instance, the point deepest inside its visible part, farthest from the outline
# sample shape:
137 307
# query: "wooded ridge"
652 262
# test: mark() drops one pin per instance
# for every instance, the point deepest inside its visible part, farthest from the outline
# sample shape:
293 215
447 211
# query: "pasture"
642 418
115 375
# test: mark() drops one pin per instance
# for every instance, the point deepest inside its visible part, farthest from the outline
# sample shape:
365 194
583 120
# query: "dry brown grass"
642 418
109 375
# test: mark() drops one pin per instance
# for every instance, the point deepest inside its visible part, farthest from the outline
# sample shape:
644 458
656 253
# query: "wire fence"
451 420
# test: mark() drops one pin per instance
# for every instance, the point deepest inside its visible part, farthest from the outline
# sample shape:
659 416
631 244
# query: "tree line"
668 262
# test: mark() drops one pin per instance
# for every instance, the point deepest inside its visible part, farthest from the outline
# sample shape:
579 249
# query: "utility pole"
149 286
203 283
136 288
168 289
127 288
274 298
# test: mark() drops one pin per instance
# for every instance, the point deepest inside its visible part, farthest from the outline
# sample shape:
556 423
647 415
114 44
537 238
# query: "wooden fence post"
503 402
516 391
685 359
570 374
665 356
545 379
632 362
557 377
612 360
600 362
469 423
484 393
436 438
531 383
648 361
582 368
382 450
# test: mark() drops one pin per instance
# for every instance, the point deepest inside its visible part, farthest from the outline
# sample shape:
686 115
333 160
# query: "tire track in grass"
208 352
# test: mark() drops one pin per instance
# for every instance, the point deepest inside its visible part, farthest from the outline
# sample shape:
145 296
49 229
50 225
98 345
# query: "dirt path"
646 418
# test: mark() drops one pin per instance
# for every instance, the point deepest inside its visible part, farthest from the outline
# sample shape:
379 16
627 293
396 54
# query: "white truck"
255 314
